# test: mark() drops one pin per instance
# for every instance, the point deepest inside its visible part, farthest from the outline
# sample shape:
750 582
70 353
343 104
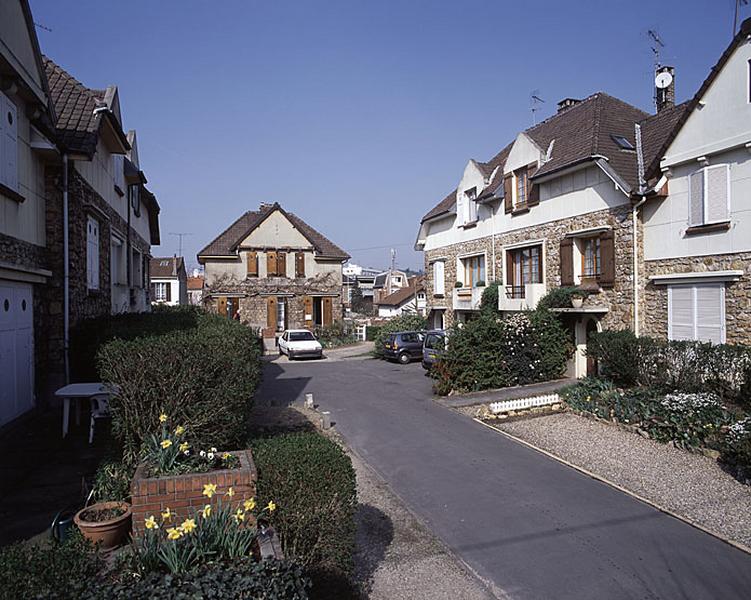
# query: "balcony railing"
466 298
515 292
521 297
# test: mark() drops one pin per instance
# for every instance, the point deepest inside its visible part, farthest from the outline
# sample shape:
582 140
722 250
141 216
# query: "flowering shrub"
736 448
492 352
168 453
336 334
690 420
215 533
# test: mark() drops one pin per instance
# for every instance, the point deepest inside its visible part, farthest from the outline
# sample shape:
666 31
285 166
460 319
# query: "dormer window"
470 205
520 187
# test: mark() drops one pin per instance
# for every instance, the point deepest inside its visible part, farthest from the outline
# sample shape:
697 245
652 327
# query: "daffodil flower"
162 418
239 515
183 447
209 489
249 504
166 444
206 512
230 492
173 533
188 526
167 514
150 523
179 430
226 455
271 506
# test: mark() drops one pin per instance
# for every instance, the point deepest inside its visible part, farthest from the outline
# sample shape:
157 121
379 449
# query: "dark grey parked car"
433 347
404 346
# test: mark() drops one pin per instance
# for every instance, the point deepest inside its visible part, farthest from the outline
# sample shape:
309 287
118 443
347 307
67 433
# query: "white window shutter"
439 283
696 198
2 139
10 144
717 193
460 210
710 313
92 253
681 313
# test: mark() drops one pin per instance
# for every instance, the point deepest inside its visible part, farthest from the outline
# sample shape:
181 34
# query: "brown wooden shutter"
252 264
327 311
308 308
533 190
271 264
509 268
300 264
508 200
281 264
168 286
567 261
607 256
271 312
221 305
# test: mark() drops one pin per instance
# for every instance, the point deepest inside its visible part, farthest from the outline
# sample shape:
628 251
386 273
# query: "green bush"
239 580
48 569
112 480
87 337
736 449
336 334
682 366
410 322
560 297
491 352
203 378
312 481
372 332
489 300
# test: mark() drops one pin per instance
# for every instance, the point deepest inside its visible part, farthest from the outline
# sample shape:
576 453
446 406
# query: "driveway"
529 526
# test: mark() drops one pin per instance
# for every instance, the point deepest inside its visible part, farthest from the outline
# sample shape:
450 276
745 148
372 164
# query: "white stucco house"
168 281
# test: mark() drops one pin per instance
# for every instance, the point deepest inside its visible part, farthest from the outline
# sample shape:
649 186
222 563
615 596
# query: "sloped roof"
77 124
402 295
580 132
165 267
226 243
655 130
195 283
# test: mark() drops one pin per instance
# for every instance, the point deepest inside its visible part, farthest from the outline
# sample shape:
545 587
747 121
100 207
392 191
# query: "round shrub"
489 300
560 297
736 448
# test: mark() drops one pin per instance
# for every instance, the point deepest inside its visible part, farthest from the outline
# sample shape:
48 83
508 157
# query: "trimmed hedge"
372 332
682 366
203 377
491 352
87 338
312 481
401 323
560 297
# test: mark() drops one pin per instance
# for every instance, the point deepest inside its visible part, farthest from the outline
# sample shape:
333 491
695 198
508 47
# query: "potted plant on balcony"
480 283
458 285
577 299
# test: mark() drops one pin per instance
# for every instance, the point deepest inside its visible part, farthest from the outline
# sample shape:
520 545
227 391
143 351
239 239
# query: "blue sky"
358 116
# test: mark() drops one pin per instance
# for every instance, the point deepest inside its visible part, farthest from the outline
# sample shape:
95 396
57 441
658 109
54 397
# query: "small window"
622 142
697 312
474 270
709 196
161 292
520 189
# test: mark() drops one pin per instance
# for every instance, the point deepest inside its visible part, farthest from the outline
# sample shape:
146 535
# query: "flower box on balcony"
184 494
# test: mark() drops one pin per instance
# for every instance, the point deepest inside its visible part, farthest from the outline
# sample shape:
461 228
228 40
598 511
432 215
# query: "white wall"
178 292
524 152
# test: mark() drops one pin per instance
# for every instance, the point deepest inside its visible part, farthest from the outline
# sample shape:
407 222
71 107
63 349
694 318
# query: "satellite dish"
663 80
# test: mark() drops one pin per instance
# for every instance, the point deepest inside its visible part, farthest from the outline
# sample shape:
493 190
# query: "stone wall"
618 299
654 309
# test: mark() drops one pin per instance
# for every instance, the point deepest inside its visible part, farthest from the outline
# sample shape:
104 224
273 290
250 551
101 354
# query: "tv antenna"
180 235
657 45
535 101
42 26
393 258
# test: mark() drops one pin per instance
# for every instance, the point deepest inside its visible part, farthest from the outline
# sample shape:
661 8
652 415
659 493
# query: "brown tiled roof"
226 243
655 130
580 132
401 296
164 267
77 125
653 167
195 283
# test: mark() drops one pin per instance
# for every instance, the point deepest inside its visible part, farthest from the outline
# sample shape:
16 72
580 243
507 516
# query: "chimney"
664 88
174 265
567 103
265 206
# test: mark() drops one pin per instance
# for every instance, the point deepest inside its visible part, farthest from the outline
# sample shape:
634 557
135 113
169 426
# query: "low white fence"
361 332
523 403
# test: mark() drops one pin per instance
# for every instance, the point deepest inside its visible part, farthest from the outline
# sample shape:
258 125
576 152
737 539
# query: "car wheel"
404 358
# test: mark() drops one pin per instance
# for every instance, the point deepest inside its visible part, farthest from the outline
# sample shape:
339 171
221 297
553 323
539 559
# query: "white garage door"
16 350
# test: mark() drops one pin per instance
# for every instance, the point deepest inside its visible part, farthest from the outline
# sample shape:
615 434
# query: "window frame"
163 286
705 195
694 287
469 271
520 175
585 243
514 288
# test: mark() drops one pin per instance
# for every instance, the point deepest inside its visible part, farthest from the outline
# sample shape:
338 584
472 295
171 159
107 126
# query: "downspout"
66 275
492 237
634 225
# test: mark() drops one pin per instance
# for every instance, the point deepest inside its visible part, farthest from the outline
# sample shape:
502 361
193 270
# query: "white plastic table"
78 392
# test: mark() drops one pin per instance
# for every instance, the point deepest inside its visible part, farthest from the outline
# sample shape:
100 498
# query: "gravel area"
397 557
690 485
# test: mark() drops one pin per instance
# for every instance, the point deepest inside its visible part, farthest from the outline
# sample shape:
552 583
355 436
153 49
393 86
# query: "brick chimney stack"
567 103
665 96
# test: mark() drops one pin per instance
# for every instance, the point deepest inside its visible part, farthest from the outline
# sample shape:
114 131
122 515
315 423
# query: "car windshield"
301 336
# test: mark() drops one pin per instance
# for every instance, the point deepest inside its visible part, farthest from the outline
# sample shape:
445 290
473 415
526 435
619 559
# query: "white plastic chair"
100 409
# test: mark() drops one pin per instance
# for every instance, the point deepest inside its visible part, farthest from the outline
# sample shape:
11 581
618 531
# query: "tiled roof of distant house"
402 295
165 268
195 283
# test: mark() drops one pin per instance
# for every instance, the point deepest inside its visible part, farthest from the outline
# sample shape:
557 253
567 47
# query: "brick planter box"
183 494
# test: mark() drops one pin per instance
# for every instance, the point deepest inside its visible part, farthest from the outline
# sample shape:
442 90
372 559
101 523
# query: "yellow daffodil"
150 523
188 526
230 492
271 506
249 504
239 515
183 447
173 533
166 444
206 512
167 514
179 430
209 489
162 418
226 455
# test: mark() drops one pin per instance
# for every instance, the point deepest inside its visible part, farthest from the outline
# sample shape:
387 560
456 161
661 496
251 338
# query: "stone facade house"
168 281
275 270
195 290
645 213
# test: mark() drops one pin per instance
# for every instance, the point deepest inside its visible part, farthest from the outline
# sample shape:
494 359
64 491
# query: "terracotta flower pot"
108 533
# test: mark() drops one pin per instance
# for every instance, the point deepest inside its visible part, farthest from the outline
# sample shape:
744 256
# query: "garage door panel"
16 350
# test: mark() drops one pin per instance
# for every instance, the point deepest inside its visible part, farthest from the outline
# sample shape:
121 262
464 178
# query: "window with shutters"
588 260
709 196
8 143
439 278
92 253
520 187
524 265
697 312
591 262
473 268
161 291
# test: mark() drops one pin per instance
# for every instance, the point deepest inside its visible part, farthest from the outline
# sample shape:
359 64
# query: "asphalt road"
530 526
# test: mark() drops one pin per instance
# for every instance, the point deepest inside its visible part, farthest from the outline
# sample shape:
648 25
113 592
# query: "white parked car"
297 343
